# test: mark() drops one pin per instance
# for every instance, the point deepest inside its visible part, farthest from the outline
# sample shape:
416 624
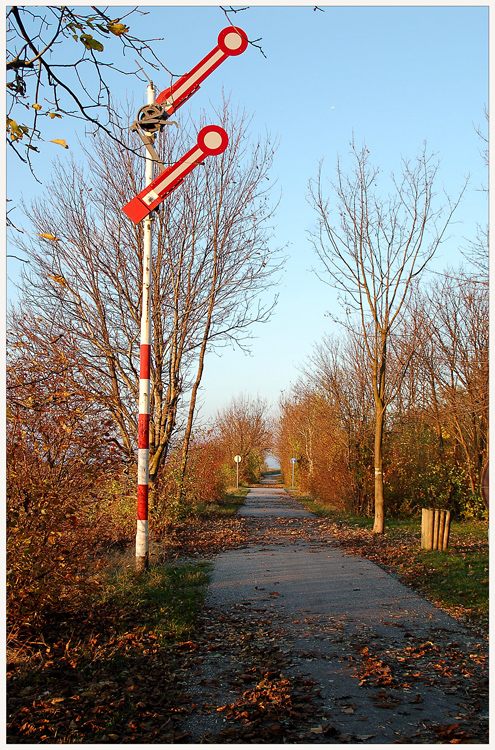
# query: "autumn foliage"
180 493
59 462
435 440
309 431
243 428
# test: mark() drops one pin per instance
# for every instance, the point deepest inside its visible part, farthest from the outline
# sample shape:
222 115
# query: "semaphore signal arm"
151 118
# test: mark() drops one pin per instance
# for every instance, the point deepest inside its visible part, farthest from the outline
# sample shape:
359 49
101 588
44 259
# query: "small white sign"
237 459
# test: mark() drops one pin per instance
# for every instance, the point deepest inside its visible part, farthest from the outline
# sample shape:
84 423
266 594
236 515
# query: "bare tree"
211 264
244 429
457 314
478 250
371 253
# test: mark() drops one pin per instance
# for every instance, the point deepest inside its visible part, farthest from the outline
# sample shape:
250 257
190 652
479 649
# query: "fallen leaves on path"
98 679
203 537
395 553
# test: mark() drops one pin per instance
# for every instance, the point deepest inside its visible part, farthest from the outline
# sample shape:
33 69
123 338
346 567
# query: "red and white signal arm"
231 41
212 140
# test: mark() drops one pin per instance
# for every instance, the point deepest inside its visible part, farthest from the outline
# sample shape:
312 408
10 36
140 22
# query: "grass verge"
231 502
226 507
165 599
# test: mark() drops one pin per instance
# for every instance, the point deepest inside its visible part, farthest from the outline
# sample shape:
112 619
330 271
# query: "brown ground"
250 676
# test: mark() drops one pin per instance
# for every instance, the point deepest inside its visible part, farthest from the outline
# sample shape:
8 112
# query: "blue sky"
394 76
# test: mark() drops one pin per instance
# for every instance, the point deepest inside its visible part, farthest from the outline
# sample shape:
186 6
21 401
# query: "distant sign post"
237 460
293 462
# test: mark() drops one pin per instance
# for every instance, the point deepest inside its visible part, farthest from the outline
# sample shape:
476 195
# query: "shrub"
177 495
59 462
420 474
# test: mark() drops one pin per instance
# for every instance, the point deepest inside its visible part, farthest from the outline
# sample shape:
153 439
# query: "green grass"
164 599
456 578
229 504
232 501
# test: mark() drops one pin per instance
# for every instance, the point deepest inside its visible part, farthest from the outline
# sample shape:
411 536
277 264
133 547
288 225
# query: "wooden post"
436 521
427 528
441 529
435 528
429 538
446 532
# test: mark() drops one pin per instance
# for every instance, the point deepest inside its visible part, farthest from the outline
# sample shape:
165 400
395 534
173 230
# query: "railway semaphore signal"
211 140
231 41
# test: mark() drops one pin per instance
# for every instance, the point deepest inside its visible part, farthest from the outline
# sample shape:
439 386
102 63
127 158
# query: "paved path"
390 666
325 583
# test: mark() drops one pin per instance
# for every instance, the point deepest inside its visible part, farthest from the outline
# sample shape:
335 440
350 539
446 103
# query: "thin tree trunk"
192 407
379 525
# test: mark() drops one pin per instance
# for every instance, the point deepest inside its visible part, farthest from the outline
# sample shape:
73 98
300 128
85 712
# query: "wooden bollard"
435 528
427 528
446 531
441 529
436 524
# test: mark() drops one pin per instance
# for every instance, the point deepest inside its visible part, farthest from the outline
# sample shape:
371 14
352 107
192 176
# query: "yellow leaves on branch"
17 132
118 28
90 42
59 279
52 115
48 236
60 142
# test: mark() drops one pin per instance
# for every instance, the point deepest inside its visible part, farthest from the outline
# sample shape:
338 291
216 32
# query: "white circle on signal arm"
237 459
233 40
213 140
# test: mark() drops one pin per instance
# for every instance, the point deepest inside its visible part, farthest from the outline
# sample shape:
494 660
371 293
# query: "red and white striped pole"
142 535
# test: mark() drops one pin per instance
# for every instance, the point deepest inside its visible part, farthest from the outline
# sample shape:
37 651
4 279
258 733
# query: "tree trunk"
379 525
192 407
199 373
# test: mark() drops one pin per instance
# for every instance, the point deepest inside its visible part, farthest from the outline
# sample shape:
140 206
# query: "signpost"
293 462
237 460
212 140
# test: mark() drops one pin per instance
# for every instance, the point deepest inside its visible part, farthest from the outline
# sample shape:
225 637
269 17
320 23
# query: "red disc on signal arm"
212 140
232 40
